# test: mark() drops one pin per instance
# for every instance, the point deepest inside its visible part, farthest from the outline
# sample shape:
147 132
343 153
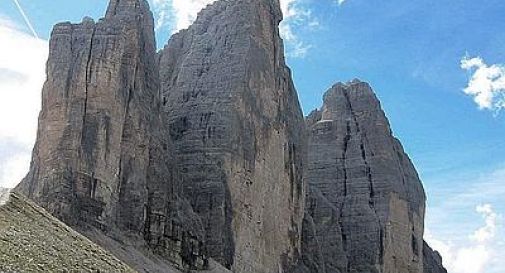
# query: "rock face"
199 156
366 203
91 158
238 129
102 157
432 260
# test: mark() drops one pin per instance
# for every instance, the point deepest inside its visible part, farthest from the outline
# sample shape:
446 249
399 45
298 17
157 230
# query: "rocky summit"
235 122
366 204
198 158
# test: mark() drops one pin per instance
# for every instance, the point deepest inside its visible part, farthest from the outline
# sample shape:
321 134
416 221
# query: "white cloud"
15 168
487 232
22 73
185 11
162 9
474 255
4 196
487 83
465 217
340 2
296 15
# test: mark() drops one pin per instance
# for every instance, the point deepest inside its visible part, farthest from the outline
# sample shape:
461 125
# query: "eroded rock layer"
239 132
92 151
201 150
365 192
102 157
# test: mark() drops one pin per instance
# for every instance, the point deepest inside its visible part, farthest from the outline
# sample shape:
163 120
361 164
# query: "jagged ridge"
200 151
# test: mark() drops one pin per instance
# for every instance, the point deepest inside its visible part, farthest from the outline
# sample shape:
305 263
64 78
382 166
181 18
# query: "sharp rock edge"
199 156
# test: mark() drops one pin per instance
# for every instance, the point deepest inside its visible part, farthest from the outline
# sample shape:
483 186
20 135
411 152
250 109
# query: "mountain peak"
200 153
347 97
127 8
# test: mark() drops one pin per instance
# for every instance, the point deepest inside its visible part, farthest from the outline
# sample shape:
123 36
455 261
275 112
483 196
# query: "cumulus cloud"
22 73
476 254
486 84
184 12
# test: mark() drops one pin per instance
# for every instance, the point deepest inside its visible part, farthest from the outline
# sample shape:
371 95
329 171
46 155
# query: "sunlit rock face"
102 158
198 157
239 133
91 158
366 201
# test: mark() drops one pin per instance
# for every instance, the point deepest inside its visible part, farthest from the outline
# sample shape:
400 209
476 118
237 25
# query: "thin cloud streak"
27 21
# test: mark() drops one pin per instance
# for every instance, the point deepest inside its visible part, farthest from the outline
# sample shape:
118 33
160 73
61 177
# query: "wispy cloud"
296 16
22 73
486 84
466 224
184 11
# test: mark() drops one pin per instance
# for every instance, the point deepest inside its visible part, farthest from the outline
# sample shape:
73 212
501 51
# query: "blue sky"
410 51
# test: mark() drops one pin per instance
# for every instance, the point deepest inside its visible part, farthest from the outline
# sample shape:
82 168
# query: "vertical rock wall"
371 189
92 152
238 130
102 157
201 151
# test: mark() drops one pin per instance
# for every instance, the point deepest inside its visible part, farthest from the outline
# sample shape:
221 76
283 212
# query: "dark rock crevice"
376 199
199 153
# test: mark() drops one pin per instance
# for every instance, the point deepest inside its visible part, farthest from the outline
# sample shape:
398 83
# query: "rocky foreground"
31 240
198 157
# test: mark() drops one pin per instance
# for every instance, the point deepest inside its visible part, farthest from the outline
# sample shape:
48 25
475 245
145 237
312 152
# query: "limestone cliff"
238 130
366 200
92 152
199 157
102 159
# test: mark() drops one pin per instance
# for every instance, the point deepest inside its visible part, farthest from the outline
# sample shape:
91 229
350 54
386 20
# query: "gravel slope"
31 240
